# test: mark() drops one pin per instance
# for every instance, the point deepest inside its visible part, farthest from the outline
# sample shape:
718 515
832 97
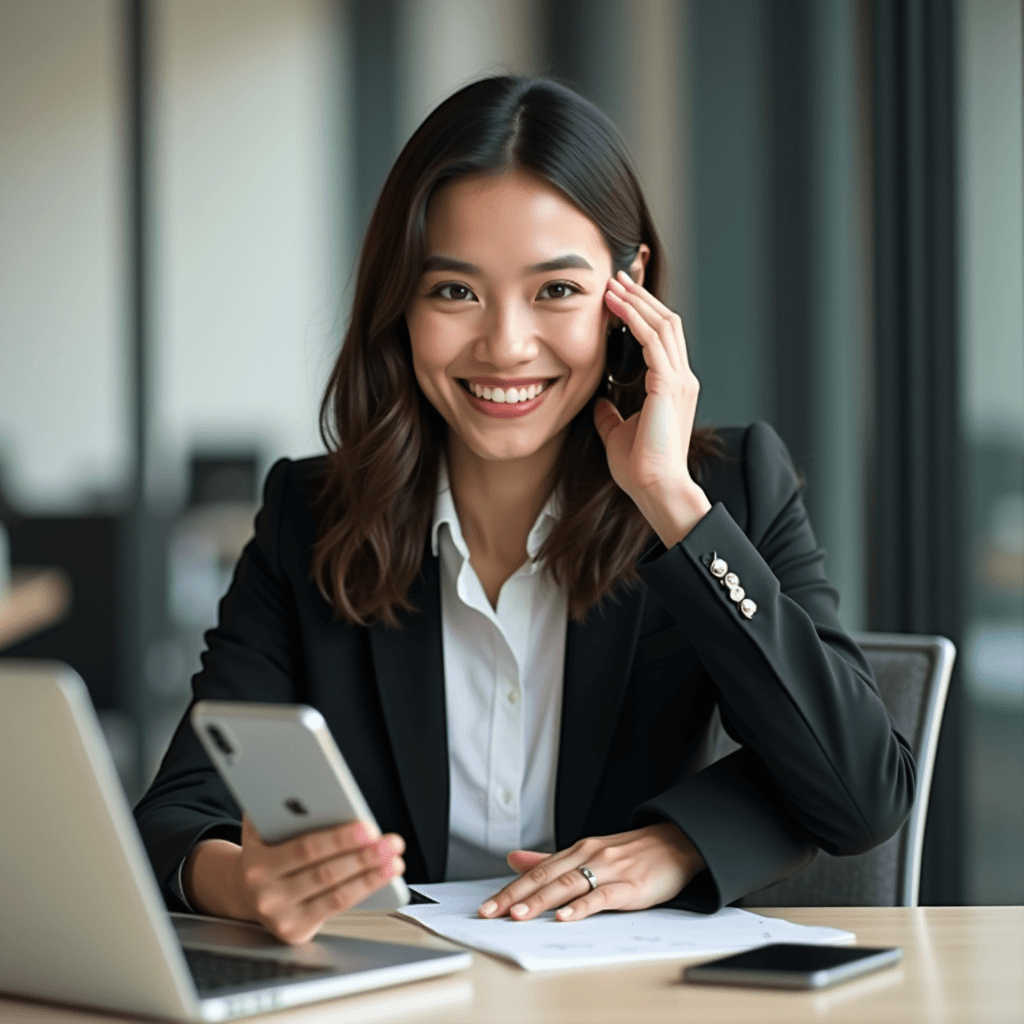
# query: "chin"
506 449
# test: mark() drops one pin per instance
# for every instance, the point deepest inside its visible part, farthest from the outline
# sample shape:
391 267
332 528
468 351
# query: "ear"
639 264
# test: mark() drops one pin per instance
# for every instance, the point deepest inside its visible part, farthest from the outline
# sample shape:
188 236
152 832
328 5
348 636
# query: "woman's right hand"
291 888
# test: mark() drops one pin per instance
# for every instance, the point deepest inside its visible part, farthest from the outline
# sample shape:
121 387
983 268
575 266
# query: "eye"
559 290
453 291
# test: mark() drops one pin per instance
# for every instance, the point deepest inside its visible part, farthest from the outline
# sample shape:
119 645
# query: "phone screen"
792 957
793 965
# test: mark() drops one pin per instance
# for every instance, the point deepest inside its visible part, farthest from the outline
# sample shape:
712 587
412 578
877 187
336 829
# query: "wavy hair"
385 439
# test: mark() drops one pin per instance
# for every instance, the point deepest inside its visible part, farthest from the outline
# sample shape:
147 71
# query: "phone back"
285 770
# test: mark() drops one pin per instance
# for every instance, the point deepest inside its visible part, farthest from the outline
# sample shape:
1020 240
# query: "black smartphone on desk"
793 965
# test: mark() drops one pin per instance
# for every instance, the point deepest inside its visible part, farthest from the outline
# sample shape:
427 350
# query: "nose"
509 337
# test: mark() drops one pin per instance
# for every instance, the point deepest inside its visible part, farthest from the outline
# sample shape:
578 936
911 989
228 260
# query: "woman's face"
508 323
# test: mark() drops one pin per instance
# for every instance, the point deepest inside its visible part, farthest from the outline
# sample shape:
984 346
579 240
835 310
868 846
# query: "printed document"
611 937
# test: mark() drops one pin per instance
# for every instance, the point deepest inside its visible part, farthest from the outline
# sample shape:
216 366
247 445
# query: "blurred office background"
183 188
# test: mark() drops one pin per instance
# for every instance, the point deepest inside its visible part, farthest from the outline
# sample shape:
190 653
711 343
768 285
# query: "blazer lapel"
409 664
598 659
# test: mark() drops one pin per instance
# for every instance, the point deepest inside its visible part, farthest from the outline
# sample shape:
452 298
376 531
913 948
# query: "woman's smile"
505 399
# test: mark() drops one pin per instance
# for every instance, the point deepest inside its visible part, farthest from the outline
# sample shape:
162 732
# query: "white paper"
611 937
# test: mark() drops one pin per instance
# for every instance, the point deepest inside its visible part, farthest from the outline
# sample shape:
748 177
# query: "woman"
518 604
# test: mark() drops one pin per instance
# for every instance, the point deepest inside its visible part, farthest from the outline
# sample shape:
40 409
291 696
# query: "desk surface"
38 598
962 964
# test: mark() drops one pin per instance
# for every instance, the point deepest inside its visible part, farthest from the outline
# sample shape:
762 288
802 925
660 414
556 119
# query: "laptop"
81 917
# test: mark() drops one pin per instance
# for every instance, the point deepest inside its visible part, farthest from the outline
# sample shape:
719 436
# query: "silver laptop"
81 917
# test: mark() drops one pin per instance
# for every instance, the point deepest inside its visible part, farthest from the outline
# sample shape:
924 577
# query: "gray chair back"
913 677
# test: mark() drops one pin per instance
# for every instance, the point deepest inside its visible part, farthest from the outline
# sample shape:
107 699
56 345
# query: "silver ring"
589 876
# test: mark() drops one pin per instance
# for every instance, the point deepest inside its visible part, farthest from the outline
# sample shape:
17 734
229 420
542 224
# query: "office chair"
913 676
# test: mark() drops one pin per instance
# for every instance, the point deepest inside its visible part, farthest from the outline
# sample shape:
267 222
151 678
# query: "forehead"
511 218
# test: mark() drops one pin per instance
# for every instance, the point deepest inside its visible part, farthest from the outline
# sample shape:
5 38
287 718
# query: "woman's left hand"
647 453
634 870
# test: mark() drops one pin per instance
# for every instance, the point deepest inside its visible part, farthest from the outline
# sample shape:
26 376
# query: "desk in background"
962 964
38 598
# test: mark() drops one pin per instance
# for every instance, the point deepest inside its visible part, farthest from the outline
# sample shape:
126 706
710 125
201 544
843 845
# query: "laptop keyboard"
215 972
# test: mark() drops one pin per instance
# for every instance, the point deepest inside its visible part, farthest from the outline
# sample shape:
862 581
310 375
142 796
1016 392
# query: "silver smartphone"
793 965
283 767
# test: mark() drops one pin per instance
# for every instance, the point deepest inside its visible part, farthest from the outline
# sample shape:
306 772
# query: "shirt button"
512 696
505 796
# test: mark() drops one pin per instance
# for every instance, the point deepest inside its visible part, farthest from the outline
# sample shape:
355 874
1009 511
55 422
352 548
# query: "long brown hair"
383 436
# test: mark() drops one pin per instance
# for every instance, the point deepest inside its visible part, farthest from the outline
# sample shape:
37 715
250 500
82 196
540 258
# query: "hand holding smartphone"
282 765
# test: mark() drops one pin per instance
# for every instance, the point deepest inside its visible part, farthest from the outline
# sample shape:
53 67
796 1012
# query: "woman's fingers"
633 870
611 896
540 875
313 847
563 889
294 886
653 347
658 308
667 326
321 877
353 890
302 921
521 861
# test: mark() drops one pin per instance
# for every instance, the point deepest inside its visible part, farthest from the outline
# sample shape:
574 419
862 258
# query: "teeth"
506 396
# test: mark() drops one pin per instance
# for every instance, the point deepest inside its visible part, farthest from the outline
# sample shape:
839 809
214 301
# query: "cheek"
433 347
582 342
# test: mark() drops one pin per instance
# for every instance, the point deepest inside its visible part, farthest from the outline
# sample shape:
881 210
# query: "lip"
502 411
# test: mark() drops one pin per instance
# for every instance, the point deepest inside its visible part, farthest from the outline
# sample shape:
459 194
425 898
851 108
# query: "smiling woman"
517 585
494 199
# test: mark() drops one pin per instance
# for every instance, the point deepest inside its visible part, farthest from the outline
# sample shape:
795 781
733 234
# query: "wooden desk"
962 964
38 598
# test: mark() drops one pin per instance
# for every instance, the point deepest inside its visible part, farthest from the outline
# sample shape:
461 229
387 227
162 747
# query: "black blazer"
821 764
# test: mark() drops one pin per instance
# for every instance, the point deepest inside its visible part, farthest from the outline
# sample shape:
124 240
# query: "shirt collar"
445 512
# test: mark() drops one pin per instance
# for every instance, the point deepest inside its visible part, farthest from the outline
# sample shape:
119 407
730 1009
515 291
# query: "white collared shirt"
503 692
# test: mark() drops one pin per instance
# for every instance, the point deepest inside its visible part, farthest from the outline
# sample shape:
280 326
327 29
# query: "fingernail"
519 910
488 908
564 913
625 277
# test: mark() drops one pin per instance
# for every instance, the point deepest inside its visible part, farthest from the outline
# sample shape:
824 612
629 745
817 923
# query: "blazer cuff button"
737 594
719 567
731 580
747 608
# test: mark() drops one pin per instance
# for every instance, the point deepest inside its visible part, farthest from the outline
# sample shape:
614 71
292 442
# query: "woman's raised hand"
291 888
634 870
647 452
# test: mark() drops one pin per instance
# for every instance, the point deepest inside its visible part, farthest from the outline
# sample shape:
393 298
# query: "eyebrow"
570 261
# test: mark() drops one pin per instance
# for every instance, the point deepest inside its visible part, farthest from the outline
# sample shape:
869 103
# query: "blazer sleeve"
248 656
821 761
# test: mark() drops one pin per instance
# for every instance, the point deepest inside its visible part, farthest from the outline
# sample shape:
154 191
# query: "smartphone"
792 965
283 767
624 359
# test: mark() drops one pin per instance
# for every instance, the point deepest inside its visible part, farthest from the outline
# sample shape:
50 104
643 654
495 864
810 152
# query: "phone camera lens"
220 740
